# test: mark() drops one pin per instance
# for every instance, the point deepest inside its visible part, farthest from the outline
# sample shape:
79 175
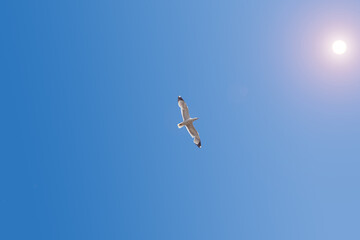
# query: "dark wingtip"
180 98
199 144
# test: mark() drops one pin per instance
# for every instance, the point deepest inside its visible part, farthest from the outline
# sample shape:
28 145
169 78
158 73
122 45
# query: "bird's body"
188 122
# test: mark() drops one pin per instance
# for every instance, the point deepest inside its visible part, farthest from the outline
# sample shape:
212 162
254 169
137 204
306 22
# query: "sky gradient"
90 147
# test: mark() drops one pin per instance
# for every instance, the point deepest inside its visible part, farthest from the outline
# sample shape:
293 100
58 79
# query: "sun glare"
339 47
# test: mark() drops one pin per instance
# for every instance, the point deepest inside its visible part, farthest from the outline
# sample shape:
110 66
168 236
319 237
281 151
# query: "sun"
339 47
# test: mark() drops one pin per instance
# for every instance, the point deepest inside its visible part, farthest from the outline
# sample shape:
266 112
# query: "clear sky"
90 147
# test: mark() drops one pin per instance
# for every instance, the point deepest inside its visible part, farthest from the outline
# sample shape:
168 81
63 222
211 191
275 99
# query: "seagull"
188 122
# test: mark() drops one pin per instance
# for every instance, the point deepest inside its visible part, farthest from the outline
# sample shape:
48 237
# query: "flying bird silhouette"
188 122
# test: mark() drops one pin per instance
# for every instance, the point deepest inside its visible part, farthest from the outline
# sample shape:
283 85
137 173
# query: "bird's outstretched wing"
194 134
184 109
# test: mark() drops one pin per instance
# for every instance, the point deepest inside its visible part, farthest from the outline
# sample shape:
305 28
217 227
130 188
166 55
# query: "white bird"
188 122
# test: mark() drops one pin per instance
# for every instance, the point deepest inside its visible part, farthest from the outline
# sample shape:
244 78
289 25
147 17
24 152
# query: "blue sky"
90 144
